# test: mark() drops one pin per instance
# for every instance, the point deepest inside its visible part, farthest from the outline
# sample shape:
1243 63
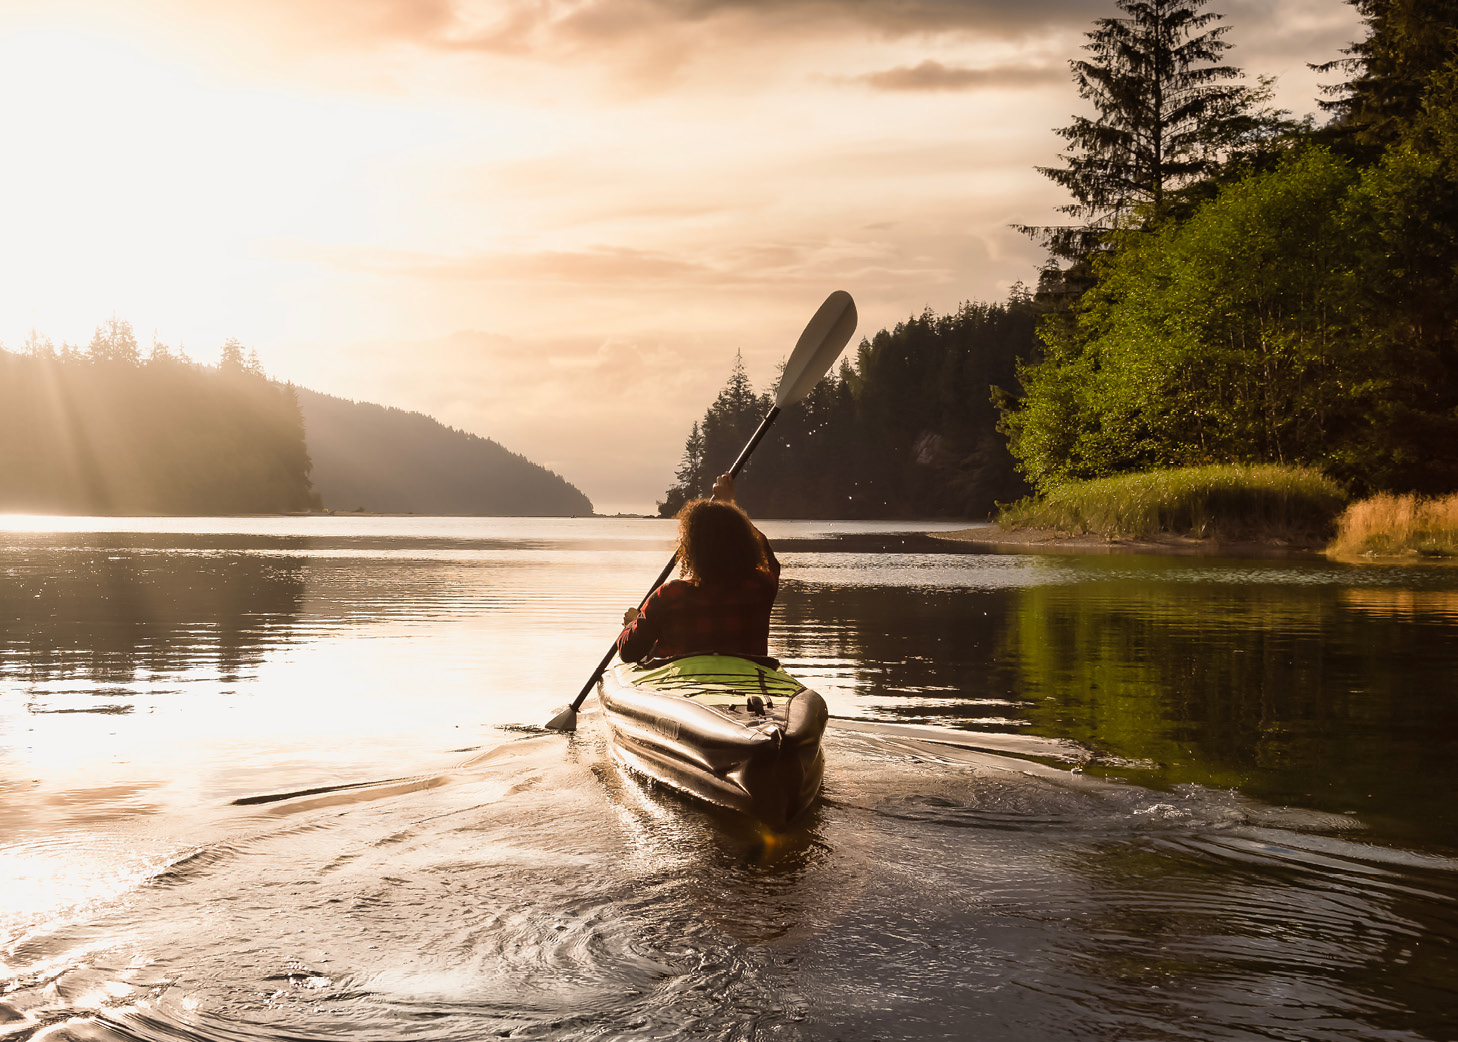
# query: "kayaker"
722 602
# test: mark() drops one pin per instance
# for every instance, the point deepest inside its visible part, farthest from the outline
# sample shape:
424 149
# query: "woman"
722 603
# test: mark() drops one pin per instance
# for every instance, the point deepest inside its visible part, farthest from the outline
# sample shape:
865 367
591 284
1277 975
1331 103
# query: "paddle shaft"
754 440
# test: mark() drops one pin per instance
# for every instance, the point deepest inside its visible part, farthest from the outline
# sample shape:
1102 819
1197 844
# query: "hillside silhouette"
386 460
104 431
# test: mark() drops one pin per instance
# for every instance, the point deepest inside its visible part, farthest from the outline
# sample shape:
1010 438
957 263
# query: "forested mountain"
102 430
906 430
106 432
370 457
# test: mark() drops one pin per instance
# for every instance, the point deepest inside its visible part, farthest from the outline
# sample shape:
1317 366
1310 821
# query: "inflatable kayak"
737 732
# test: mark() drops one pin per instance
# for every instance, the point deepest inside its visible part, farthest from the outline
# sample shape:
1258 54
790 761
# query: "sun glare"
137 186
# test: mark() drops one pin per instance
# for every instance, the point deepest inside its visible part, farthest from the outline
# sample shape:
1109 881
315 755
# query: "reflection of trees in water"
906 647
1283 692
1314 696
114 615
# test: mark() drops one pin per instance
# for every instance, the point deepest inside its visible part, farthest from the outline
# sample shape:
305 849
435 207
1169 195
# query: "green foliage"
1407 45
109 434
1403 217
906 430
1305 315
1210 341
1167 112
1303 312
1222 502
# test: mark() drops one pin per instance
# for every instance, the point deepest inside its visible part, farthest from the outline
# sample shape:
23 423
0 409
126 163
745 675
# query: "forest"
1232 286
908 429
105 431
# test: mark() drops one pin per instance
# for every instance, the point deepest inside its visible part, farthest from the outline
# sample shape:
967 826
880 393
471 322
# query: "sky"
552 223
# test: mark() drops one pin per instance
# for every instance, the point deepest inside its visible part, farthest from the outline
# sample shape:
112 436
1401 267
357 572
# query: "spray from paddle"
815 352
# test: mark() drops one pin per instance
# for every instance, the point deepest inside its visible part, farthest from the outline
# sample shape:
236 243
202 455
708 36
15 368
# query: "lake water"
286 779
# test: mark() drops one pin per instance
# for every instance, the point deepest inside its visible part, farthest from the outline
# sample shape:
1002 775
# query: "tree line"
103 430
1232 285
907 429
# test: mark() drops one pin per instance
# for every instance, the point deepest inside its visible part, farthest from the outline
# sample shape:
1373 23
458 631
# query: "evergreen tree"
692 475
1168 112
1407 45
114 341
715 443
231 357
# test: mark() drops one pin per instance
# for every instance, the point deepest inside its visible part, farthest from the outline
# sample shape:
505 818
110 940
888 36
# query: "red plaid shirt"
684 618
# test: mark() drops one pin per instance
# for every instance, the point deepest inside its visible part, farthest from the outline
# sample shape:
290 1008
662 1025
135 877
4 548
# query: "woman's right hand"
630 616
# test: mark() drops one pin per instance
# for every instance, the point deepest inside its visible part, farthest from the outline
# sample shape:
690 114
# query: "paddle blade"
566 720
819 346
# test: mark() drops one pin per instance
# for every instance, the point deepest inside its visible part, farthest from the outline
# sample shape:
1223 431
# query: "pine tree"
1407 46
114 341
231 357
1168 112
692 474
730 421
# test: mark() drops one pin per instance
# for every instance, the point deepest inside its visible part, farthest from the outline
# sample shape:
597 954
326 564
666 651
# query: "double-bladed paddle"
815 352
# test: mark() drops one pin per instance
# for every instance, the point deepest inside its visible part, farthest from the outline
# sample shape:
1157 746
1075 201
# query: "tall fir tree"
114 341
1167 112
1408 44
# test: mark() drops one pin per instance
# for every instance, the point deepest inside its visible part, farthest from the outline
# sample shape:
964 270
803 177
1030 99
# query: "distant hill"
388 461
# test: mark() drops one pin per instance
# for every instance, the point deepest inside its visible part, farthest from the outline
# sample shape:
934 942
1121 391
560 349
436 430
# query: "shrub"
1387 526
1264 501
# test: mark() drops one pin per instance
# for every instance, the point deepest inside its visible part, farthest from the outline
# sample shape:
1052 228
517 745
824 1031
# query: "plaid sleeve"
636 641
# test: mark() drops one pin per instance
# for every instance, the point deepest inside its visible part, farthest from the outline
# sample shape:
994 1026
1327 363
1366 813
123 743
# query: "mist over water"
1066 798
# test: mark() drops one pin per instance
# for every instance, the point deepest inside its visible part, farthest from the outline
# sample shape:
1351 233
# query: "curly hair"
717 543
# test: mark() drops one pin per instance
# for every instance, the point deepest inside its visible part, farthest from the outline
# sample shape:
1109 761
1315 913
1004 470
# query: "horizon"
552 228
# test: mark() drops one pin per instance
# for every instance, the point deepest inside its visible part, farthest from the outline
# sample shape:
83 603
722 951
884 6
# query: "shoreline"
995 540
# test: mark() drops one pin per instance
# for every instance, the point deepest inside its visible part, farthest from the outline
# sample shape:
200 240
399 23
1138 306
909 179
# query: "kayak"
737 732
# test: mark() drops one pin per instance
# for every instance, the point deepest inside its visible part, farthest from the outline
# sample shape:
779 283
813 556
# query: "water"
1097 797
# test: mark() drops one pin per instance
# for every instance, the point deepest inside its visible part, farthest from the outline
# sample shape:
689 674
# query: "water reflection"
114 622
1277 861
1284 693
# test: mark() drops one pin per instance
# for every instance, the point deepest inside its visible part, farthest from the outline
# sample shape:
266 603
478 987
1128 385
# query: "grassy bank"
1392 526
1292 505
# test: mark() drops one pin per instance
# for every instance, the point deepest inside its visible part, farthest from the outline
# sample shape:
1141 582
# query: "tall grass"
1389 526
1230 502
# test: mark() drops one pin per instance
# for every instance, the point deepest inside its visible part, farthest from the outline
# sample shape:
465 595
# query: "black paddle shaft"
754 440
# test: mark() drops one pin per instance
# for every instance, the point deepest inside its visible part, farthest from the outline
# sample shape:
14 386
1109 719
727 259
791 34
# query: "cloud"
602 266
546 27
932 75
717 266
495 25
